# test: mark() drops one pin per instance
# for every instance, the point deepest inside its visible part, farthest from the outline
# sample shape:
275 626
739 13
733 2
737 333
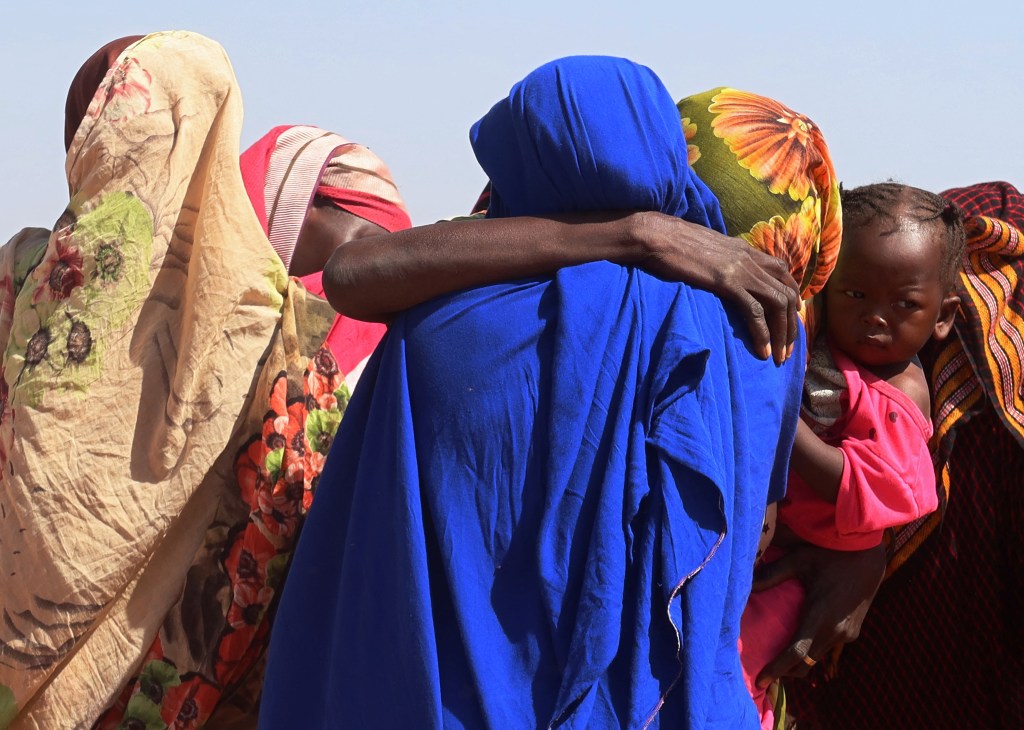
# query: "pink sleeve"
888 478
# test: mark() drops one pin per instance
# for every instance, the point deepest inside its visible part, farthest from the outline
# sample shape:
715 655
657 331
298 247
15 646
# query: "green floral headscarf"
770 168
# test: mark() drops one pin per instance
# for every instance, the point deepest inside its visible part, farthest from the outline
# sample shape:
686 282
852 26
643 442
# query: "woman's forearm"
376 277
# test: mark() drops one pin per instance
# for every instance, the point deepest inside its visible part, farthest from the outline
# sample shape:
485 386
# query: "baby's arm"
817 463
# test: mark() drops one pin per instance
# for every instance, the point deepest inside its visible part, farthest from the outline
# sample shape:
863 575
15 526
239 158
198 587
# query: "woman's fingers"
768 306
814 637
786 292
776 267
840 586
786 302
780 326
754 315
758 284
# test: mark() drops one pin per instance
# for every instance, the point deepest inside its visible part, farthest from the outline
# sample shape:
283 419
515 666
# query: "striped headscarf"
289 165
983 364
991 329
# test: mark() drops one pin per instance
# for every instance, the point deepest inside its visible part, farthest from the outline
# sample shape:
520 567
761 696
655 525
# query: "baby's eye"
907 304
853 293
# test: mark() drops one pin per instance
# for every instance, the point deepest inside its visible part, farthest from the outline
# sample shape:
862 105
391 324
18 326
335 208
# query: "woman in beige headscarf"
147 334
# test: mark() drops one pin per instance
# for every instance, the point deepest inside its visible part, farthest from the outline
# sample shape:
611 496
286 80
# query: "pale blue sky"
931 93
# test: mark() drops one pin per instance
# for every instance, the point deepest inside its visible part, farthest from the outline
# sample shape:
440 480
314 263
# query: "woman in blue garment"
543 504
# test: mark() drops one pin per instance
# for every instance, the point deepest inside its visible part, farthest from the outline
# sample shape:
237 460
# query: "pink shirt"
888 478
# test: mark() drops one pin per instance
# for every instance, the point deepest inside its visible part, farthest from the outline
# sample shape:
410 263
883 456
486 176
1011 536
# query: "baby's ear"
947 313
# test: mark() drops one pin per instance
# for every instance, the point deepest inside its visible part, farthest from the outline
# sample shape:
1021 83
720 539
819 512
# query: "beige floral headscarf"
133 341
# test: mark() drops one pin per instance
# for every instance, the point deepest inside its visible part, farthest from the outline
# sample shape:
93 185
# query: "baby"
860 463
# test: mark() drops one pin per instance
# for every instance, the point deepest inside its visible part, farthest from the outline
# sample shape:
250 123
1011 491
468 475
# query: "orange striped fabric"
984 362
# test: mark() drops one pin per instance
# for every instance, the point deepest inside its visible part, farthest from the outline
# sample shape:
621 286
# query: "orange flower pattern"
831 230
777 145
782 164
277 472
692 150
782 237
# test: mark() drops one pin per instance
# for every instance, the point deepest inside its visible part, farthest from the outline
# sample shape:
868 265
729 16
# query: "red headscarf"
283 171
88 80
286 167
993 199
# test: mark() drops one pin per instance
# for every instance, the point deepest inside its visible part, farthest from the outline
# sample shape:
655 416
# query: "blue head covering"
590 133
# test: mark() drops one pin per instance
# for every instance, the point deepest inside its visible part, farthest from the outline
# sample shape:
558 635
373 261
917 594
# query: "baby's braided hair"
894 202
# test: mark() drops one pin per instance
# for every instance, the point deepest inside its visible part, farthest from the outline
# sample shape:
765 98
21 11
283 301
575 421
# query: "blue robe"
541 509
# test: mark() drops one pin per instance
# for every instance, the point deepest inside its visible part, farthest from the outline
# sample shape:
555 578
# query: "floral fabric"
773 166
166 408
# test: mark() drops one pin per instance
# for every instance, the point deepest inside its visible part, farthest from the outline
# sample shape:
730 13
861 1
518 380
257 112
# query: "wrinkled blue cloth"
590 133
543 504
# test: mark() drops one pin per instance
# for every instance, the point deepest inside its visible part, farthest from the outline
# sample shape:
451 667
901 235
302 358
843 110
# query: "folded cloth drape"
283 171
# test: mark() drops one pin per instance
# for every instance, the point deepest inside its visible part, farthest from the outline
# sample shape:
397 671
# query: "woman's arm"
840 587
376 277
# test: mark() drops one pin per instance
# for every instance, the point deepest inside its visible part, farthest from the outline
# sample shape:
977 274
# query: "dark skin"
884 301
839 586
375 277
324 227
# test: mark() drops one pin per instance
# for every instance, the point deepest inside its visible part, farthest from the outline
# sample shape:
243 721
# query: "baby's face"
884 298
